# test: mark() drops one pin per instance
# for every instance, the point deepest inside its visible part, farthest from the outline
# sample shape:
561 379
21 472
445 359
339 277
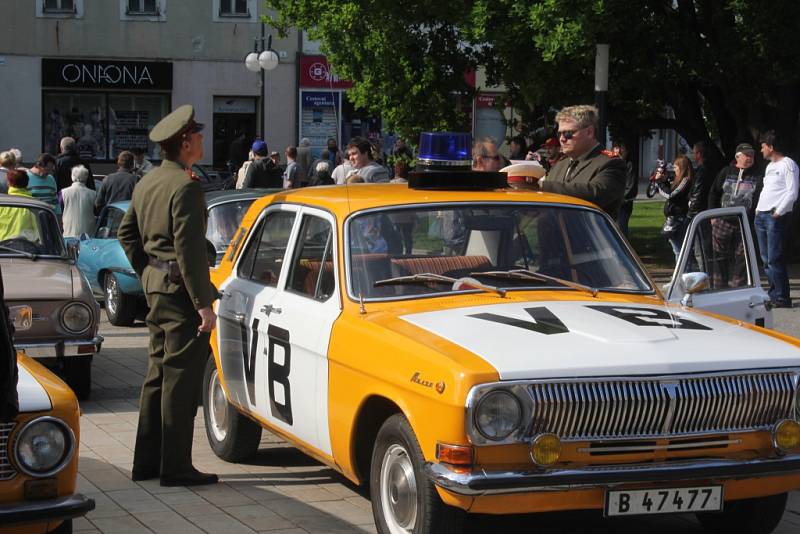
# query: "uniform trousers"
172 387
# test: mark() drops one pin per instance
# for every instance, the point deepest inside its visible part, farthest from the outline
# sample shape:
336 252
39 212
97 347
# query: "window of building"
142 7
103 124
233 8
59 6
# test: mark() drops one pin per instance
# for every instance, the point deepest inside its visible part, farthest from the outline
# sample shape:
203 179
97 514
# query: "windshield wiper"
29 255
525 274
422 278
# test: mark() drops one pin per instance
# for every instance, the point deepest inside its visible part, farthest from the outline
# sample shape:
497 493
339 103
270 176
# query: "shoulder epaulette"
609 154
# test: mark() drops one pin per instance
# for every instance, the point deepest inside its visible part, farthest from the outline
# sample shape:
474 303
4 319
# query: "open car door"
719 244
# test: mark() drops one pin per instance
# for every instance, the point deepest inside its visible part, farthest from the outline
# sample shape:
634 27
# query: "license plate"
663 501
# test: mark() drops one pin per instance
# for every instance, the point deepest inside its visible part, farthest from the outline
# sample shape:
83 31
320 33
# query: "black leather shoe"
192 478
143 474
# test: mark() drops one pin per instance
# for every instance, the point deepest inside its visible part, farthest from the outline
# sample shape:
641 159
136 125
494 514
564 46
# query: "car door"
719 243
296 329
251 287
100 250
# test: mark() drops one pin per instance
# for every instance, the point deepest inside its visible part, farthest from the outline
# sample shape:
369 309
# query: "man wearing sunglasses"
587 171
485 157
163 235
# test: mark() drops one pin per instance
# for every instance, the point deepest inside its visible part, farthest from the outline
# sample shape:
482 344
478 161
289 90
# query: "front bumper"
494 483
67 348
43 511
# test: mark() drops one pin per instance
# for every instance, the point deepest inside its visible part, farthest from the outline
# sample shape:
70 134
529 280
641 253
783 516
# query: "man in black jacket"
66 160
701 179
262 173
117 186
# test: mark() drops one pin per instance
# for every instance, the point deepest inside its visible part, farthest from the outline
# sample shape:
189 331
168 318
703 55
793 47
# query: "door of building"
234 130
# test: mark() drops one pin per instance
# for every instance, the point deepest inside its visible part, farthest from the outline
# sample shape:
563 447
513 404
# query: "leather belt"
169 267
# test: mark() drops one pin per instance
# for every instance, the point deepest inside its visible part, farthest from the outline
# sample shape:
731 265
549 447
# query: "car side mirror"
73 248
693 283
103 232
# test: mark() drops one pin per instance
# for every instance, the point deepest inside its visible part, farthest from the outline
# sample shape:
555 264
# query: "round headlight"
497 415
76 317
786 435
545 449
43 446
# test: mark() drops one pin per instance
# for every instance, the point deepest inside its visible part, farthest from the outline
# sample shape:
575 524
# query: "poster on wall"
490 118
319 117
130 131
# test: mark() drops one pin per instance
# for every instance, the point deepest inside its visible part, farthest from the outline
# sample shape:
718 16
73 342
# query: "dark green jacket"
167 220
595 177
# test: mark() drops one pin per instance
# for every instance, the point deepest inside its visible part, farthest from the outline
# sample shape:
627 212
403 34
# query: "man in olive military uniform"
163 235
587 171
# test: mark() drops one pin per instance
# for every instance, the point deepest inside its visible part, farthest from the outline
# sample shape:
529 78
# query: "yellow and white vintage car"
39 436
502 351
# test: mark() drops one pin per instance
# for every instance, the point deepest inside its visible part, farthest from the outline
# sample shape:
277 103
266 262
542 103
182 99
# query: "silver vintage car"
46 293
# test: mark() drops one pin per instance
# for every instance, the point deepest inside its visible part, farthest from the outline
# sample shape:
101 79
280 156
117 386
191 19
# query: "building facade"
106 72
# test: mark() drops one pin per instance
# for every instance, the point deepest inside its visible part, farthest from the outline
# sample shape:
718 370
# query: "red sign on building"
315 72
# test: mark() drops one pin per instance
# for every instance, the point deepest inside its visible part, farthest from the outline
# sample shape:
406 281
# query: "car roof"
121 204
19 200
231 195
345 199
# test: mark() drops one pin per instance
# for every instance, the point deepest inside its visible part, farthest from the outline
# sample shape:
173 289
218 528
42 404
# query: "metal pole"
263 90
601 89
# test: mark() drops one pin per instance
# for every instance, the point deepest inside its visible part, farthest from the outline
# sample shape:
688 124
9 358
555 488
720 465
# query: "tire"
78 375
754 516
120 308
404 501
64 528
232 436
652 189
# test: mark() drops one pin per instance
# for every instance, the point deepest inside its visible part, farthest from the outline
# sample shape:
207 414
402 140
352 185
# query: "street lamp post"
261 59
601 88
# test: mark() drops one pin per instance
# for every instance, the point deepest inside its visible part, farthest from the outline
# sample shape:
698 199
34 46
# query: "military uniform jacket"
595 177
167 221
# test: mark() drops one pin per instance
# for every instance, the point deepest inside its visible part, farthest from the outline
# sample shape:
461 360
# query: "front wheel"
754 516
120 308
404 501
232 436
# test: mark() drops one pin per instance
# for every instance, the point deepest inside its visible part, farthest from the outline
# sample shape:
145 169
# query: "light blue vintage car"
108 270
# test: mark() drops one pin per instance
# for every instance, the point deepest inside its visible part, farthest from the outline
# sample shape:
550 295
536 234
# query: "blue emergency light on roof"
446 149
444 161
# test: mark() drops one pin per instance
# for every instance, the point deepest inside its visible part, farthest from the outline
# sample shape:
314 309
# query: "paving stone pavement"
280 491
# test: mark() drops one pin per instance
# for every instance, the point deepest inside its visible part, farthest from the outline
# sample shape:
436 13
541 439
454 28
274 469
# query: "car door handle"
224 294
240 317
269 308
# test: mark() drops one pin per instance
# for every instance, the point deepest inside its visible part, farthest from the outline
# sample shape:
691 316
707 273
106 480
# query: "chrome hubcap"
398 490
218 411
111 295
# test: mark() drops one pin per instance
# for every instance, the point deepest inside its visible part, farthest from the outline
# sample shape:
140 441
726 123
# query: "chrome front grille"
671 406
7 470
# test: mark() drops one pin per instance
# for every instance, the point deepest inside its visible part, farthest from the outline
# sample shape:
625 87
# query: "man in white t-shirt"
359 152
773 215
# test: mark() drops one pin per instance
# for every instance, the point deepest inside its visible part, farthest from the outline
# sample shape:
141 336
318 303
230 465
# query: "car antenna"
361 309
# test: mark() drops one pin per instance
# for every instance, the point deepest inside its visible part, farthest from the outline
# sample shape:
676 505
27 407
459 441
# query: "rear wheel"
404 501
78 375
232 436
120 308
754 516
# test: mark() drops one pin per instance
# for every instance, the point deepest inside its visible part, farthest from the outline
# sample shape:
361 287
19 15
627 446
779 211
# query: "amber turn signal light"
454 454
786 435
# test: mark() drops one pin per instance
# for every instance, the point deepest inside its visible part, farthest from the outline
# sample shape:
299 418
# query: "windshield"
26 230
223 220
491 243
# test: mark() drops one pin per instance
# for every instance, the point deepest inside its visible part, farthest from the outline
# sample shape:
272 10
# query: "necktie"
570 168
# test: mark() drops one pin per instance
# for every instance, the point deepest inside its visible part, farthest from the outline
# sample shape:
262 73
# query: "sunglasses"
569 134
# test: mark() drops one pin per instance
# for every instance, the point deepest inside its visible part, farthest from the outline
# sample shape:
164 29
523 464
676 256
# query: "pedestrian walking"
163 236
701 181
291 179
303 160
262 172
117 186
773 215
78 201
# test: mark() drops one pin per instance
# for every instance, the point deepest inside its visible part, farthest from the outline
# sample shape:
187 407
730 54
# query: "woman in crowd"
676 207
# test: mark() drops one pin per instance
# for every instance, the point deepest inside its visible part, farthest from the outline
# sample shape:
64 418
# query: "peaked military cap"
178 122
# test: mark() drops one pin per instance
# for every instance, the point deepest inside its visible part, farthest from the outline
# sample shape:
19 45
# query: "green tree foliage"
725 68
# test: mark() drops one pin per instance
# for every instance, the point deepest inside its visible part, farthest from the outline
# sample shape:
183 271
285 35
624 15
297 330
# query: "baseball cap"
259 146
745 148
